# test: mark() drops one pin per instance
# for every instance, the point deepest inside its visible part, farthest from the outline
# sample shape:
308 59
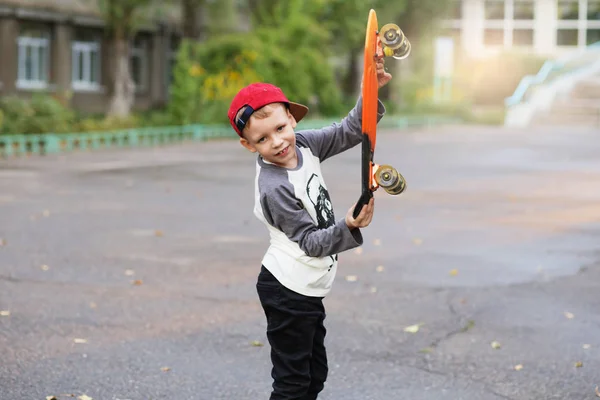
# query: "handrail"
548 67
48 143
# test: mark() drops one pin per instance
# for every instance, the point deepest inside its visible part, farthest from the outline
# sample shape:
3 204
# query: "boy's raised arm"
338 137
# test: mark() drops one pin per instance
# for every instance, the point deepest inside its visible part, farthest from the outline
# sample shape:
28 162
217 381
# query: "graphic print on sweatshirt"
319 197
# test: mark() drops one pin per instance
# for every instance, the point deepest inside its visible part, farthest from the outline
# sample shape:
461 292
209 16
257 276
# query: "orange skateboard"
387 42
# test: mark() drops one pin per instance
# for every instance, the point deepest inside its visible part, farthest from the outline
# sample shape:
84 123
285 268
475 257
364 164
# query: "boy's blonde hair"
261 113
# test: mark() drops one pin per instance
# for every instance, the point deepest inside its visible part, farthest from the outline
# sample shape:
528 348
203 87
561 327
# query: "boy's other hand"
363 219
383 77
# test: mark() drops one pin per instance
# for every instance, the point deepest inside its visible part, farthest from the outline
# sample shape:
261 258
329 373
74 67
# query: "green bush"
290 53
42 113
106 124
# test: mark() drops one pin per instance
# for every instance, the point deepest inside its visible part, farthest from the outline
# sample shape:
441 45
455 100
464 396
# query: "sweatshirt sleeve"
285 212
338 137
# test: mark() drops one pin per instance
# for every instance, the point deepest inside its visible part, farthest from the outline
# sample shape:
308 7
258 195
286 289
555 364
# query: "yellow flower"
196 70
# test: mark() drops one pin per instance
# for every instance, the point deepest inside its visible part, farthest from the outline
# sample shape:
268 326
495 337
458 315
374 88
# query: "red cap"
258 95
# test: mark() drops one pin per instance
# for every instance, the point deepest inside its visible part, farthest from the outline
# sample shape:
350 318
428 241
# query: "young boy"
291 199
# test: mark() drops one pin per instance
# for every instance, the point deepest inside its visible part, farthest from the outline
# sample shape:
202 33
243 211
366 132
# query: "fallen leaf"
373 289
129 272
358 250
495 345
413 328
84 397
80 341
2 242
569 315
597 392
379 268
4 313
93 305
398 217
426 350
137 282
51 398
158 233
45 267
468 326
453 272
165 369
587 346
257 343
377 242
351 278
418 241
463 301
46 213
518 367
578 364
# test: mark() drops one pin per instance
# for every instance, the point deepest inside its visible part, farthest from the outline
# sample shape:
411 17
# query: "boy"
291 199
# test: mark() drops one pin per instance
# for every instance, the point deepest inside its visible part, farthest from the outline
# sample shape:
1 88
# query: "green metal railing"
52 143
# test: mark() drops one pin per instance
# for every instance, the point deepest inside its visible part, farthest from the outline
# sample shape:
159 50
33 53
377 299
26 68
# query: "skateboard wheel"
402 52
390 180
395 44
391 36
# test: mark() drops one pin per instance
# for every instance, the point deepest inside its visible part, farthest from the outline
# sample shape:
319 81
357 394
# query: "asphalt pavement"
129 274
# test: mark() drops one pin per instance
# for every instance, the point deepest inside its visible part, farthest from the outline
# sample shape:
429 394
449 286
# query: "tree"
346 19
222 17
122 17
192 11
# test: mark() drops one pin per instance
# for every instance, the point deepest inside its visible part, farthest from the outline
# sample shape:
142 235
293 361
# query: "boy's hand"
382 77
363 219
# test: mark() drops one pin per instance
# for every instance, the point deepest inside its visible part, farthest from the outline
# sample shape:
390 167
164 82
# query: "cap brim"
299 111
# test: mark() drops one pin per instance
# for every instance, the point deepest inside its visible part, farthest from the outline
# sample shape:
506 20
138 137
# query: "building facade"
548 28
66 52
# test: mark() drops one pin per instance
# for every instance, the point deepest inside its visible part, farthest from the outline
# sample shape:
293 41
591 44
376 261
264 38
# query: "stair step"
587 89
558 119
576 106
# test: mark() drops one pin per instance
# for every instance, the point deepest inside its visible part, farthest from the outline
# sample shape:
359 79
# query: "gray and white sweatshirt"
296 208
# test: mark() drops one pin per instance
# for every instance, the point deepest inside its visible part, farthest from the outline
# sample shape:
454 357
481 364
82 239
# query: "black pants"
296 334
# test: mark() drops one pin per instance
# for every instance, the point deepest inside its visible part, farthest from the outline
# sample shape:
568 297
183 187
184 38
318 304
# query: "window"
86 65
494 9
139 62
524 10
523 37
493 37
568 9
593 36
566 37
593 12
33 59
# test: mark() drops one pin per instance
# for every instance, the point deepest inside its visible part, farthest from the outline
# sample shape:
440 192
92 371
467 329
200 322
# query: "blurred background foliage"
312 49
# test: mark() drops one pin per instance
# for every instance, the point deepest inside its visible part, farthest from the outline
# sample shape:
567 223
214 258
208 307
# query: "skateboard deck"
373 175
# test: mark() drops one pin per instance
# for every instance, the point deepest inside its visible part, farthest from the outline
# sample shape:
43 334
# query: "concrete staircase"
579 107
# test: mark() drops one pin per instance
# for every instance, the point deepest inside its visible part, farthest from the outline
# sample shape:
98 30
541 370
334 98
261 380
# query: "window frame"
24 42
139 48
85 49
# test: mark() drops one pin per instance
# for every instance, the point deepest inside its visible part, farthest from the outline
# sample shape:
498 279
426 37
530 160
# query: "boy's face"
273 137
